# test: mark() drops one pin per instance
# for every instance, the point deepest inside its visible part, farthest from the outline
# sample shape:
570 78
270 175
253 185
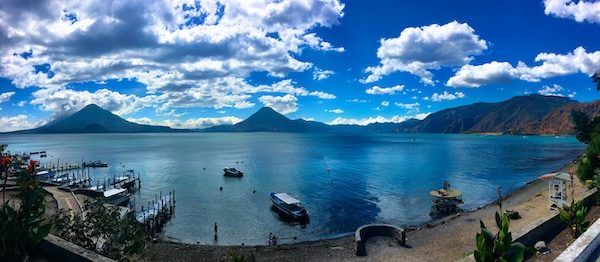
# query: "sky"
195 64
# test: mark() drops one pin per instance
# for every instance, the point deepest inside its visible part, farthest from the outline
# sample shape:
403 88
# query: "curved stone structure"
365 232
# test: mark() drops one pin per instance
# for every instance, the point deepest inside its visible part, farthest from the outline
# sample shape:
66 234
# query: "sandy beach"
447 239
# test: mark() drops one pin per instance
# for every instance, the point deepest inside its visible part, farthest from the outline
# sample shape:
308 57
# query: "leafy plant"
124 237
23 227
499 247
574 217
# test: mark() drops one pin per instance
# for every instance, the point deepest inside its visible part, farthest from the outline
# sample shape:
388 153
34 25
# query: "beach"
447 239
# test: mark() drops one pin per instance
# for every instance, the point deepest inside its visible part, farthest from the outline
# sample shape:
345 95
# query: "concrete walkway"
65 200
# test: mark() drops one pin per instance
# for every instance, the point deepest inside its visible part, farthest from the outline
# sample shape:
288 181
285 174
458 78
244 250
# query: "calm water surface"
344 180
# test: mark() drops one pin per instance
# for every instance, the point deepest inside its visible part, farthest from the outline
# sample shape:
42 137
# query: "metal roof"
287 198
113 191
561 175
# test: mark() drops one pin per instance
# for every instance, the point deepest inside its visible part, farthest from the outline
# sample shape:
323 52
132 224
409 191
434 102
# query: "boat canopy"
113 191
287 198
42 173
446 193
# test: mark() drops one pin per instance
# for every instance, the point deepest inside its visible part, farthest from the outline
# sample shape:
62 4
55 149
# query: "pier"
158 212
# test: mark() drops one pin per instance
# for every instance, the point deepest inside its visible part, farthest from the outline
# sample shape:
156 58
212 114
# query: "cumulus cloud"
320 74
193 123
556 90
580 11
181 51
445 96
228 92
377 119
335 111
18 122
377 90
476 76
409 106
6 96
283 104
418 50
551 65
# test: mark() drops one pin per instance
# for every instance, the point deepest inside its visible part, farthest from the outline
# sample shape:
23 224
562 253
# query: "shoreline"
426 238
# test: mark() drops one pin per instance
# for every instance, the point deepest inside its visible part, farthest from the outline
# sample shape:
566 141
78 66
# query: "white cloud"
62 101
552 65
418 50
193 123
409 106
215 93
335 111
376 90
553 90
358 101
385 103
320 74
445 96
18 122
377 119
283 104
184 52
579 11
6 96
476 76
22 103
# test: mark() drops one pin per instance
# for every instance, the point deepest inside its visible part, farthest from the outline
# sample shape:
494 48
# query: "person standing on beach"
216 230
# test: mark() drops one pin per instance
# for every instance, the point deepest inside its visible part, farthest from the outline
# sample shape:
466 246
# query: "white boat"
288 205
116 196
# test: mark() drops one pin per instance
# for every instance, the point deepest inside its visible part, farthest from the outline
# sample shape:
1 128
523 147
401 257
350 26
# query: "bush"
124 237
498 247
574 217
24 227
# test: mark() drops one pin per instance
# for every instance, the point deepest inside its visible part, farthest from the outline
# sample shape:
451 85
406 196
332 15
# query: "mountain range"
530 114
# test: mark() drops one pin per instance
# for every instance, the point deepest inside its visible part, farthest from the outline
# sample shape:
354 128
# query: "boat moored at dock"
288 205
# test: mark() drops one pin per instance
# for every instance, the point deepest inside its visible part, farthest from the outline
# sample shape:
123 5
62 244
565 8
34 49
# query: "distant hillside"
93 119
531 114
267 120
518 115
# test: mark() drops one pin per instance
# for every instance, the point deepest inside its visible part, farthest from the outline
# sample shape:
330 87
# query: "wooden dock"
157 213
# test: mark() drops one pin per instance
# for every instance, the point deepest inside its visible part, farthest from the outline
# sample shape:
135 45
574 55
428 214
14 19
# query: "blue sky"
193 64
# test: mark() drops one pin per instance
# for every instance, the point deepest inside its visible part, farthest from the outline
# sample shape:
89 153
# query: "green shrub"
574 217
498 247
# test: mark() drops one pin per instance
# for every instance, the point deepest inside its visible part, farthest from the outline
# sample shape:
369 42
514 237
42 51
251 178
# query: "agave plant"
499 247
574 217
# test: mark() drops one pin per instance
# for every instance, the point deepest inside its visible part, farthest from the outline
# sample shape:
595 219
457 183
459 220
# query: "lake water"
344 180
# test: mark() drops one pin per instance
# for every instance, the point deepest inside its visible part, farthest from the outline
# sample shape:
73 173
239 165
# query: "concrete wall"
544 228
58 249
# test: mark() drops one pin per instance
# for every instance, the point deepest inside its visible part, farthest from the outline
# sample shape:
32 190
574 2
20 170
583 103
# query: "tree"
23 227
121 237
596 79
584 126
589 166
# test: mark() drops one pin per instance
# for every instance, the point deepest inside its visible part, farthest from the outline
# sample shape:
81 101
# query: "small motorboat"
116 196
288 205
230 171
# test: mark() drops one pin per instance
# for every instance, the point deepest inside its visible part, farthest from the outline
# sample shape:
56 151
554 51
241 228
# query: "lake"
344 180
